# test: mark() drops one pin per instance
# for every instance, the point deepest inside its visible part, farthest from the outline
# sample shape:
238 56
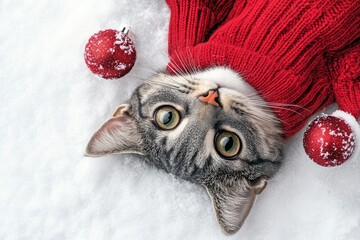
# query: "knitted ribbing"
293 52
193 21
346 65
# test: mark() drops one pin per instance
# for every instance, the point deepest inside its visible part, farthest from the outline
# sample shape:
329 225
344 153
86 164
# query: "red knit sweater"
301 52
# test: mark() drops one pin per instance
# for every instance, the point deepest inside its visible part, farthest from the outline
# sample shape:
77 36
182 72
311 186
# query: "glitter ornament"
110 53
329 141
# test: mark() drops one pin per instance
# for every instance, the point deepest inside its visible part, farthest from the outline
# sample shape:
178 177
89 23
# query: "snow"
50 104
125 43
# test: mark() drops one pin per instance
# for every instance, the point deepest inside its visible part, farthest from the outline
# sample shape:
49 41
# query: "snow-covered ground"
50 104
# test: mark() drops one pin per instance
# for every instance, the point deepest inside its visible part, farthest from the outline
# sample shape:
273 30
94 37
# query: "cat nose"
211 97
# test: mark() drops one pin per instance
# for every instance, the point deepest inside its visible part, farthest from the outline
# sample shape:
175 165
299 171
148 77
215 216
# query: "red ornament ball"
110 54
329 141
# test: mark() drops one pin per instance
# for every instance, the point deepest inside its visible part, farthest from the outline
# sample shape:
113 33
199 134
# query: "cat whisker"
288 105
177 72
154 70
258 103
149 69
266 118
136 77
250 96
182 84
259 108
166 85
182 73
191 61
188 82
172 84
165 57
183 67
260 112
275 105
169 85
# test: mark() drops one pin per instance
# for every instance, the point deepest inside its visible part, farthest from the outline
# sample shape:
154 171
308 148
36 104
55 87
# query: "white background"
50 104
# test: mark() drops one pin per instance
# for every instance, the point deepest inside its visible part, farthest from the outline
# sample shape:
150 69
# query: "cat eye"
167 117
227 144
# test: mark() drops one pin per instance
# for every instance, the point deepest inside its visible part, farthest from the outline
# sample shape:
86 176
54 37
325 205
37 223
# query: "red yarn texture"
300 52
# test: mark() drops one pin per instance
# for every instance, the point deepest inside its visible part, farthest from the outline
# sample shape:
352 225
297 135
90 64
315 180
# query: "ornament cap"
125 29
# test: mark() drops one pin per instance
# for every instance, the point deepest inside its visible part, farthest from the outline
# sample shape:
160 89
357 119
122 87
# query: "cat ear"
233 202
117 135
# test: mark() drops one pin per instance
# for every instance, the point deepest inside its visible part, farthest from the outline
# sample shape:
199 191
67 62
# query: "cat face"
200 129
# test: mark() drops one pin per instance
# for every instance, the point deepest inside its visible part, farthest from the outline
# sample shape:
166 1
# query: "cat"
242 77
218 134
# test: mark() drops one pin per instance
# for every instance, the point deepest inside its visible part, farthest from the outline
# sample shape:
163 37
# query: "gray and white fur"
188 151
